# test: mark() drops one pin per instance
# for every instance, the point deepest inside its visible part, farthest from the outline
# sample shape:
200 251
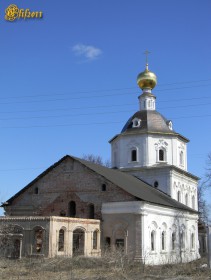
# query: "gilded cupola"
147 79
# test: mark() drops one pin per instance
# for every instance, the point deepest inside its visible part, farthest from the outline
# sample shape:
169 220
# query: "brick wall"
68 181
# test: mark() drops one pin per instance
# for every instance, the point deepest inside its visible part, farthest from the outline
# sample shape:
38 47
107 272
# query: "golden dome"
147 79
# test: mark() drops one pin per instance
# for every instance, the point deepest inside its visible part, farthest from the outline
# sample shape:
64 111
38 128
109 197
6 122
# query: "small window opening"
181 158
193 202
192 241
153 240
163 240
156 184
182 241
108 241
161 155
186 199
91 211
36 190
179 196
133 155
173 240
72 209
103 187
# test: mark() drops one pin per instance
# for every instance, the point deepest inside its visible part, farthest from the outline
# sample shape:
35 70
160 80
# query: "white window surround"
136 122
170 125
130 154
158 155
181 158
161 145
193 201
153 241
163 241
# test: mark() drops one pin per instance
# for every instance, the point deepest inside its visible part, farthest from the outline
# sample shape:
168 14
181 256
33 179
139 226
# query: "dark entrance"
16 249
78 242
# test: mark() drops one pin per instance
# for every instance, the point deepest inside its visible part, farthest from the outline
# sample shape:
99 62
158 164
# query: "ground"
106 268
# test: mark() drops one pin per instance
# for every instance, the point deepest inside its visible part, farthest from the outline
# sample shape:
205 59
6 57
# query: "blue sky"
68 81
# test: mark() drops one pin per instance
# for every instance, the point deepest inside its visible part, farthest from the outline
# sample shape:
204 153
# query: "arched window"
186 199
192 240
182 239
72 209
95 234
181 158
161 155
134 155
61 240
173 240
193 202
16 249
179 196
152 240
36 190
103 187
91 211
156 184
108 242
38 240
163 240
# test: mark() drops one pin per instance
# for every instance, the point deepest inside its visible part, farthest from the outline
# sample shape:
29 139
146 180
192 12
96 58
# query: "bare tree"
202 204
204 185
97 159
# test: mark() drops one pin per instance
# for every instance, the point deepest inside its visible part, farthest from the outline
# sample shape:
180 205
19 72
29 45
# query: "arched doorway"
16 249
78 242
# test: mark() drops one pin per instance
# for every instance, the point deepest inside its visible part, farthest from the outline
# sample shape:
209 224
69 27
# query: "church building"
145 204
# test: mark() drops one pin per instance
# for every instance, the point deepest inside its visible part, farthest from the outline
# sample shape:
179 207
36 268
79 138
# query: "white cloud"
89 52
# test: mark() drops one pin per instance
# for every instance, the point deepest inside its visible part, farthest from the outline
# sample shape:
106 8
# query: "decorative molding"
161 144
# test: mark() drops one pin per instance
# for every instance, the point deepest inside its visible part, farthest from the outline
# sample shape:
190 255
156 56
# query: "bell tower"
149 148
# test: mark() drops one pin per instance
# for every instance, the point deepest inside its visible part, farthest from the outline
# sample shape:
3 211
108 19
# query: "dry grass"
105 268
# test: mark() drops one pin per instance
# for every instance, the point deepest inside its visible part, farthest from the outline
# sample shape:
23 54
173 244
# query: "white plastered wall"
147 146
157 218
